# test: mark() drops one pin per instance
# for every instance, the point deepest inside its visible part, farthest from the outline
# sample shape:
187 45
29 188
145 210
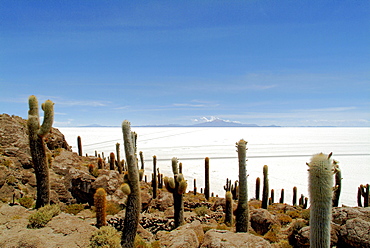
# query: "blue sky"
289 63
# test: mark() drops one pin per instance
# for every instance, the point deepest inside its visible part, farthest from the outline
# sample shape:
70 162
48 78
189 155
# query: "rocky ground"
72 184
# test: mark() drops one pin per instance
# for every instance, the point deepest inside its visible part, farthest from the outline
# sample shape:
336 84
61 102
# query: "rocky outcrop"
262 220
187 236
355 226
226 239
63 230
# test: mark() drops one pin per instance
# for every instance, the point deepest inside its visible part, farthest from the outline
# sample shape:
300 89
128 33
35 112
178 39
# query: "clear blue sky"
288 63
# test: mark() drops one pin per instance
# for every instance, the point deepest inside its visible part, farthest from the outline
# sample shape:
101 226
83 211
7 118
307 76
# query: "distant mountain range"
215 122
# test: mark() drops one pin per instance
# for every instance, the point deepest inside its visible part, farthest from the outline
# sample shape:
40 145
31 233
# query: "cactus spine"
177 186
36 134
229 204
206 186
242 214
265 190
133 206
320 174
100 203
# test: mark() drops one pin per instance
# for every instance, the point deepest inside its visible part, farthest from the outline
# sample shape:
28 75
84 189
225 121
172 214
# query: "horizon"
289 64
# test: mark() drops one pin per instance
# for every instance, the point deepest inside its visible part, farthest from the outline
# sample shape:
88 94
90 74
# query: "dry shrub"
26 201
74 208
106 237
284 219
113 208
42 216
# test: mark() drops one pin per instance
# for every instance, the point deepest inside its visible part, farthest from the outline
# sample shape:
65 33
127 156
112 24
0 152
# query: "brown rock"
355 233
226 239
262 221
178 239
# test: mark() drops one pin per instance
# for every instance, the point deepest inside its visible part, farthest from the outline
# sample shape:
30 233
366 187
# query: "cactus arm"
242 216
48 107
133 207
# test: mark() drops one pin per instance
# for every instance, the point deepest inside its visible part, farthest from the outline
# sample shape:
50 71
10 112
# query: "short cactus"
177 186
112 161
36 135
265 190
281 196
229 204
320 189
364 192
100 203
294 196
258 186
338 184
272 196
242 212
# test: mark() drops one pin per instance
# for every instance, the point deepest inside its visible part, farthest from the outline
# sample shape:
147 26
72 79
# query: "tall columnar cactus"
133 205
265 190
100 163
79 145
272 196
112 161
364 192
338 184
258 186
242 213
320 174
100 203
141 171
206 186
154 179
118 156
294 196
195 186
229 204
177 186
282 196
36 135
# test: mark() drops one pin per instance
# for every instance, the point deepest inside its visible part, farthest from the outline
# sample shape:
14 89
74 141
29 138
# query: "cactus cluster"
363 191
36 133
177 186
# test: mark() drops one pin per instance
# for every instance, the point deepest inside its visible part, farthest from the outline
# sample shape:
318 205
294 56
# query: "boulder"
355 233
226 239
187 236
262 220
